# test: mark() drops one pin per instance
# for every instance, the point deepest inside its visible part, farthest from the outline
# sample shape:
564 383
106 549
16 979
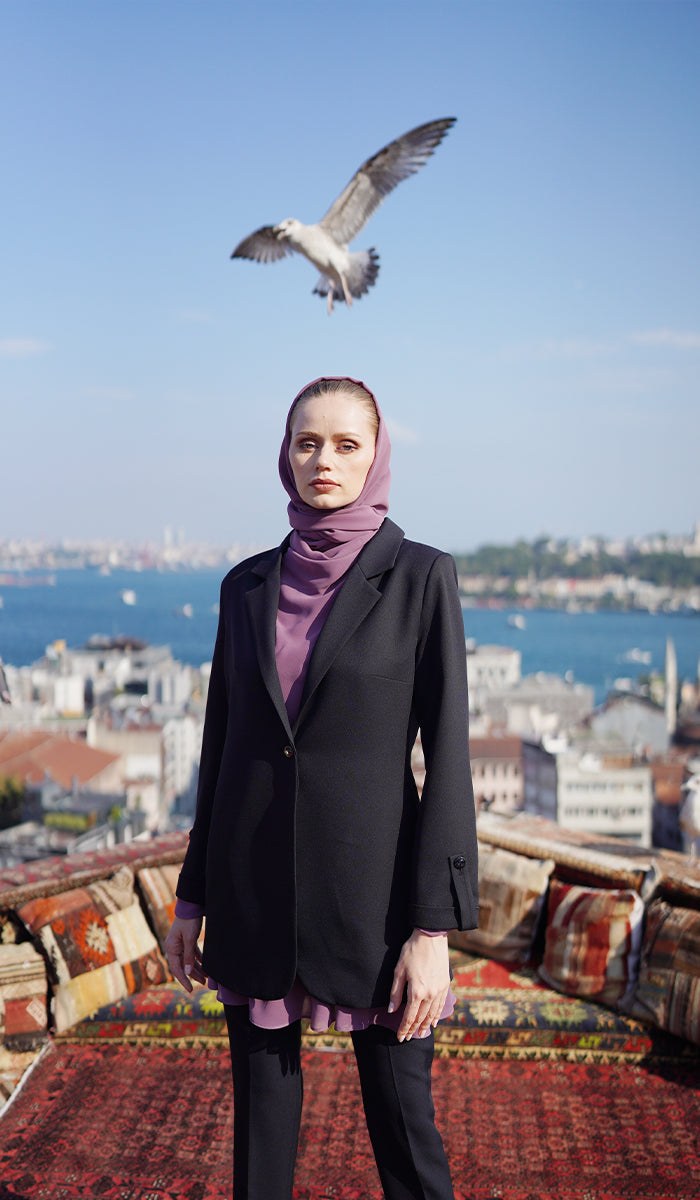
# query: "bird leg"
330 299
346 293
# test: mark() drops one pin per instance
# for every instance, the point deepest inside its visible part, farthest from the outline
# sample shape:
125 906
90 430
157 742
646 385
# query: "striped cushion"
157 885
593 941
23 1019
668 992
511 893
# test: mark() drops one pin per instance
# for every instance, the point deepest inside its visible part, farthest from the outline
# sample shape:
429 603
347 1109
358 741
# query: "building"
537 706
497 773
635 720
490 669
539 780
36 755
603 797
138 745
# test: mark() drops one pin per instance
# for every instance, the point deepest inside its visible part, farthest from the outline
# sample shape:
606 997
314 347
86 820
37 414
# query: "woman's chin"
326 501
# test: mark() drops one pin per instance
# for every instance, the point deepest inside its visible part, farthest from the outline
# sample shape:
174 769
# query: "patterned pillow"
593 940
157 885
98 945
512 888
23 1019
668 991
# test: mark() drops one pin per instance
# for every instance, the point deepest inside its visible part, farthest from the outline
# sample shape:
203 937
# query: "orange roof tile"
34 756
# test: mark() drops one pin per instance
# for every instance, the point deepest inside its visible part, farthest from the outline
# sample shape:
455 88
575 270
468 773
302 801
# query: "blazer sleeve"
191 882
445 869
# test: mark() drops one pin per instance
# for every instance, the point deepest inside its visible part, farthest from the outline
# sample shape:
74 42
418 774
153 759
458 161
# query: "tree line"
540 560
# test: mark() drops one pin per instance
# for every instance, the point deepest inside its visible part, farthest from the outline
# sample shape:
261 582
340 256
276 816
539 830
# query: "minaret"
671 686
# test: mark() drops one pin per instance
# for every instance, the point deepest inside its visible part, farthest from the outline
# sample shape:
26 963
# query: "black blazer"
310 851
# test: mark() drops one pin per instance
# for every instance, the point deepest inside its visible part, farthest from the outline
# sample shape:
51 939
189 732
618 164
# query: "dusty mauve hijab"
323 546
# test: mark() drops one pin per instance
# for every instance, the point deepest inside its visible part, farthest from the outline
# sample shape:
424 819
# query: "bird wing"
379 176
263 246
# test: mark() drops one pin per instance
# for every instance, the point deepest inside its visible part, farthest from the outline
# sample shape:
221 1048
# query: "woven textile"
668 991
512 889
98 945
157 886
506 1012
47 876
115 1122
164 1014
23 1020
593 940
500 1013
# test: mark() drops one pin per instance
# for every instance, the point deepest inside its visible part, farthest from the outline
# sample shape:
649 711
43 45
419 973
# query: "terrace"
570 1068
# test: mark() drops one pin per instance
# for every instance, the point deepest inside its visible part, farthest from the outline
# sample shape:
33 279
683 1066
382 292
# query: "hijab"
323 546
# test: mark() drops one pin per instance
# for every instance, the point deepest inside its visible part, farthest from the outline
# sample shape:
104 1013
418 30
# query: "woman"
327 886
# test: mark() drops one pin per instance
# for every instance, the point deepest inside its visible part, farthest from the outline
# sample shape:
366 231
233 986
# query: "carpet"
153 1122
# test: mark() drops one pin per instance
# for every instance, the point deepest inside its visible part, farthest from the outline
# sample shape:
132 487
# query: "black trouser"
396 1093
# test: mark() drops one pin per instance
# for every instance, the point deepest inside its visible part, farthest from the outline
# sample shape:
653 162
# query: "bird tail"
362 274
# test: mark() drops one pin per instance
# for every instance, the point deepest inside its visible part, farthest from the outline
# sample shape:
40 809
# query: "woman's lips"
323 485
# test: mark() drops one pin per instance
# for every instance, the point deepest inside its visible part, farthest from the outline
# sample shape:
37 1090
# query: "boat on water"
517 621
128 596
184 610
635 655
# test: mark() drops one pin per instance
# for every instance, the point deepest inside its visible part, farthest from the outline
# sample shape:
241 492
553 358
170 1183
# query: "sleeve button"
459 862
288 752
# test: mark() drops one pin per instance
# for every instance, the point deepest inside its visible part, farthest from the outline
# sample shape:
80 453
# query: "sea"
179 608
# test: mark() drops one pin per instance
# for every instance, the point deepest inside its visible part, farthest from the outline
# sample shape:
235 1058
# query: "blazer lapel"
263 601
356 598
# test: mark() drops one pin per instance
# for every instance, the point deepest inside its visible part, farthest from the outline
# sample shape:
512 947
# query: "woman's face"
331 449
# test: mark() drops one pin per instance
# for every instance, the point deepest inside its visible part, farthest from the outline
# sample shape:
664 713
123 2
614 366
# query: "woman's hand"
182 952
424 970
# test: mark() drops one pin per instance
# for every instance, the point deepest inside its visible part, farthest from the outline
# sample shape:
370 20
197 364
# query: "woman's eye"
305 445
345 446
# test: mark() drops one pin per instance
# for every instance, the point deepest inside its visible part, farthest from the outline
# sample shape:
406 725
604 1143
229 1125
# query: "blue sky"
534 334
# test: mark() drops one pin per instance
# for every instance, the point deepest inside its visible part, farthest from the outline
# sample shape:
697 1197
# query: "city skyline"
534 334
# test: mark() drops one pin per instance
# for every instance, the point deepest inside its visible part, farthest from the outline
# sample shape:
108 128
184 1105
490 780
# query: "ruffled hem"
297 1004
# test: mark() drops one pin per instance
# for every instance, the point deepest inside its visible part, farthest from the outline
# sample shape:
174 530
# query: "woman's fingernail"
391 1006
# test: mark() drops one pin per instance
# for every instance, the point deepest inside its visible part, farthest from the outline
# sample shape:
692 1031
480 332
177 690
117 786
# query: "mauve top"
275 1014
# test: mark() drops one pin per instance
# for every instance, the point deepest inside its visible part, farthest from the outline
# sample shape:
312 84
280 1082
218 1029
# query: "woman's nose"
323 458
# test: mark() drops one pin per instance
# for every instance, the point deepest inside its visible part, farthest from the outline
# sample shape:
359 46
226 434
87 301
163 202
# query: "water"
84 602
592 646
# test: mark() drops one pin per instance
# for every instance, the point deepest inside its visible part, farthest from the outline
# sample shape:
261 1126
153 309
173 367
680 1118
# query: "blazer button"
288 752
459 862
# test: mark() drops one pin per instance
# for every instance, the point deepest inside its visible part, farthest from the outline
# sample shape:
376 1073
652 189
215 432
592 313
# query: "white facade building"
606 800
489 669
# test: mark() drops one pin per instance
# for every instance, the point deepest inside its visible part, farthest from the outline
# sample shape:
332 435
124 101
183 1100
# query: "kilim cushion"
593 940
98 945
668 991
511 893
23 1020
157 886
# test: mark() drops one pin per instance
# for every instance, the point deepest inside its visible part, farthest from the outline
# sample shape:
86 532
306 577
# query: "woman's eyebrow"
337 437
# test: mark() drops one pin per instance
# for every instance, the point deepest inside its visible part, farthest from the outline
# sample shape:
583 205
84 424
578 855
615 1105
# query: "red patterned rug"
152 1122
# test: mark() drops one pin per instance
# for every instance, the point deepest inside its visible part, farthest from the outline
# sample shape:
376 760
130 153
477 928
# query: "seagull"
345 274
